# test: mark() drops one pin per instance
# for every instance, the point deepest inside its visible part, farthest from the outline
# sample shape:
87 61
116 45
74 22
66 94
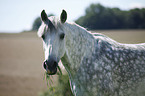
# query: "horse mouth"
51 72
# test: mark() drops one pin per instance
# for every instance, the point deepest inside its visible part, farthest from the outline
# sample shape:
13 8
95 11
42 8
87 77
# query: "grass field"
21 57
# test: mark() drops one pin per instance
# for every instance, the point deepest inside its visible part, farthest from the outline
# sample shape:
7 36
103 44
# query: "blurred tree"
100 17
137 18
37 22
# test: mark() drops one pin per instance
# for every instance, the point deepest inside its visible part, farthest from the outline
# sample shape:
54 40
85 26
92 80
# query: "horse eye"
62 36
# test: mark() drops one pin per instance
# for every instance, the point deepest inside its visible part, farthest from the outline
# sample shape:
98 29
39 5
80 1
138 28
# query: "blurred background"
21 52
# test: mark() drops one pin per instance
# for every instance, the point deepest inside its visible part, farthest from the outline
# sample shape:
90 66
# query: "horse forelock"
42 29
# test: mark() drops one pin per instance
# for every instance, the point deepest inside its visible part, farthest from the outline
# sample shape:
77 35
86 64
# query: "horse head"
53 35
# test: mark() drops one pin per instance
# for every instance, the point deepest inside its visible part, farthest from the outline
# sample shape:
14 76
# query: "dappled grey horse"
96 64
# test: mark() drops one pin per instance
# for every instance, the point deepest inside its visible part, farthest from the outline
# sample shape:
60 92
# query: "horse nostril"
44 64
54 64
50 65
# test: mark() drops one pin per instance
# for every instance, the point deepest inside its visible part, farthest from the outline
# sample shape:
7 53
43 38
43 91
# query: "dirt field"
21 57
21 72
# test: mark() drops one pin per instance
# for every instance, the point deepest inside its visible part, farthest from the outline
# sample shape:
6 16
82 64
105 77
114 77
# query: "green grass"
62 88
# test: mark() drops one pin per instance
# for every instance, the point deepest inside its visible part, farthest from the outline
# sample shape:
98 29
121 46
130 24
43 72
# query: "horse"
96 64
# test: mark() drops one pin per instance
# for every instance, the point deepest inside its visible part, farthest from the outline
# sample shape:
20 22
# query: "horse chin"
52 72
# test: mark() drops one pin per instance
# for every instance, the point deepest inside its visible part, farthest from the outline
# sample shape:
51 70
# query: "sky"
19 15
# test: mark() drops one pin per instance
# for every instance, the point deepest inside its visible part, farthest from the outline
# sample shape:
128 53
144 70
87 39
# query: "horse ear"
63 16
44 16
45 19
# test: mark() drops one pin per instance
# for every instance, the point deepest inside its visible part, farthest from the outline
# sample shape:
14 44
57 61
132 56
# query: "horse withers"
96 64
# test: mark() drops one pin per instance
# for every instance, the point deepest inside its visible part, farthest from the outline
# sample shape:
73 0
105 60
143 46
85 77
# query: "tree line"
99 17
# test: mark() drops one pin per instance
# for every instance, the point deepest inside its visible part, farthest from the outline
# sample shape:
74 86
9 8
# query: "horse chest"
84 82
79 86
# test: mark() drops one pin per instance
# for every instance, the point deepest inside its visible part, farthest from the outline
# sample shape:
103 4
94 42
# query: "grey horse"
96 64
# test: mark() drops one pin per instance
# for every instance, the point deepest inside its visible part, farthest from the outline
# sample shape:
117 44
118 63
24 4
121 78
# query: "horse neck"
78 44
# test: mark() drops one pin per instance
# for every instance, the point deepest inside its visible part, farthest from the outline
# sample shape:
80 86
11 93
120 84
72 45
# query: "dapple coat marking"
96 64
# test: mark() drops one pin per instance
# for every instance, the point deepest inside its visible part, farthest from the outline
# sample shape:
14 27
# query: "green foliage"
137 18
48 79
61 89
100 17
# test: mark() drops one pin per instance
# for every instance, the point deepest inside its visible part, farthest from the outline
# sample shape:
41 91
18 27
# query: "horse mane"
76 28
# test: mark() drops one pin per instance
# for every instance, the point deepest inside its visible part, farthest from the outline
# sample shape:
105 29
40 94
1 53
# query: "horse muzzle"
50 66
